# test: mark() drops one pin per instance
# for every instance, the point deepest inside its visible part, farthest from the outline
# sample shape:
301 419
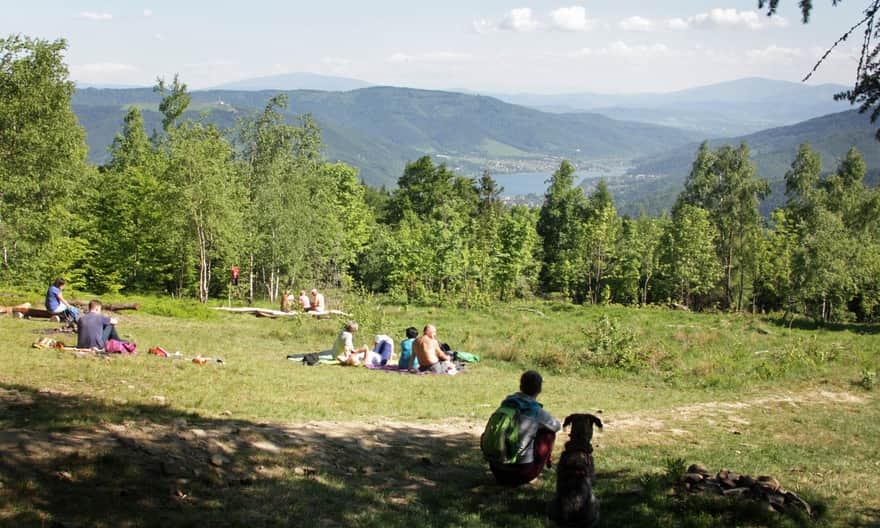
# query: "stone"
179 423
693 478
736 491
697 468
768 483
199 433
218 460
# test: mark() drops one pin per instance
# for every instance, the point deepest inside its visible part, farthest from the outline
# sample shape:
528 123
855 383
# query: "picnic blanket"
394 368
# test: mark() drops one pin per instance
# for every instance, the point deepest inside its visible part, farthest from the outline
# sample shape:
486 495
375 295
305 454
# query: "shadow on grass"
72 461
804 323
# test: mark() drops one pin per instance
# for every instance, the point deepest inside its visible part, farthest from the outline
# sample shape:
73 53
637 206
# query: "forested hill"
655 181
378 129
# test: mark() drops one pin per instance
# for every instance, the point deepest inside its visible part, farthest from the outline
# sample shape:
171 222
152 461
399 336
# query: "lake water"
523 183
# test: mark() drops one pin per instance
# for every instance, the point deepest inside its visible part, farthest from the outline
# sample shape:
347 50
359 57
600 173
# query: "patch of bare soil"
172 461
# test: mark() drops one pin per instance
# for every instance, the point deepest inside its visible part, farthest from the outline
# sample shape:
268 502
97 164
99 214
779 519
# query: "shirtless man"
427 350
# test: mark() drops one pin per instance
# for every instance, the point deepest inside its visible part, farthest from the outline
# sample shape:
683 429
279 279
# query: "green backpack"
500 439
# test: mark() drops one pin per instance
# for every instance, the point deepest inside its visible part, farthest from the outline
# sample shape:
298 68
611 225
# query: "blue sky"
617 46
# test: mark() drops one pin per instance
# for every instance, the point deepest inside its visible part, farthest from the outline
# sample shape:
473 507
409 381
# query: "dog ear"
596 420
567 421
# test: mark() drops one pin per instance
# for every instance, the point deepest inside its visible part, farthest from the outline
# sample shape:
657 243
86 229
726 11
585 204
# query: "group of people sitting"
93 328
416 352
315 304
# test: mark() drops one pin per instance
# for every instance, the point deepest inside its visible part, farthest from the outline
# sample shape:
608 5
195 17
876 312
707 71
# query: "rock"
226 413
736 491
161 400
727 483
218 460
693 478
793 499
305 471
697 468
179 423
199 433
64 476
767 482
745 481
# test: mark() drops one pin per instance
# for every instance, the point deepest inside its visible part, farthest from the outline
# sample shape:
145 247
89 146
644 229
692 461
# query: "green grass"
729 391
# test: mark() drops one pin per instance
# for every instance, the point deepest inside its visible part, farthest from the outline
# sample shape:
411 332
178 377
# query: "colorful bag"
114 346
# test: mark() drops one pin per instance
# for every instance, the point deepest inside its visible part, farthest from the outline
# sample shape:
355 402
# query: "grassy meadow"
264 441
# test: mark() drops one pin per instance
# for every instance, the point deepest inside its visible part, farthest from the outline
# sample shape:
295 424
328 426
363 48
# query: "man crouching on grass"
537 433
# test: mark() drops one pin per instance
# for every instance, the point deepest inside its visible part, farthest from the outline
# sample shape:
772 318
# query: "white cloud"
158 36
677 23
637 23
720 17
91 15
572 18
620 49
518 20
148 12
774 53
433 57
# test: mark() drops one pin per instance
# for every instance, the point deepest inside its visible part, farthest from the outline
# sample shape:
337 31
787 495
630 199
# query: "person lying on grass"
344 350
537 434
96 329
431 357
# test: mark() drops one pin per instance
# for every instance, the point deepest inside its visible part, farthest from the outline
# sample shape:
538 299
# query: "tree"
559 226
175 100
866 89
207 198
723 183
132 240
42 163
598 241
689 253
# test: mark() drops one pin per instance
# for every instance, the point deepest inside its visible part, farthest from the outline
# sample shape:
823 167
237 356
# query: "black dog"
574 503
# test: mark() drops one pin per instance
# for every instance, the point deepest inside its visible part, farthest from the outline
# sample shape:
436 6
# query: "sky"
528 46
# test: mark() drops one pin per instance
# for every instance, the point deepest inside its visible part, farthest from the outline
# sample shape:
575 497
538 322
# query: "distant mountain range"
654 182
295 81
379 129
725 109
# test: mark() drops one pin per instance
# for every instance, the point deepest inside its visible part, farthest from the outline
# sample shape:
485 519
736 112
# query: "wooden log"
37 313
113 307
267 312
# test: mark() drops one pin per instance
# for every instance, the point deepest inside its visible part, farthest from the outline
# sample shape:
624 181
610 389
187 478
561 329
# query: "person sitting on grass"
426 349
96 329
304 302
318 303
537 434
383 350
57 304
344 350
406 349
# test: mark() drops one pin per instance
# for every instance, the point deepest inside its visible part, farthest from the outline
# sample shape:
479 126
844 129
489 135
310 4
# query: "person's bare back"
427 350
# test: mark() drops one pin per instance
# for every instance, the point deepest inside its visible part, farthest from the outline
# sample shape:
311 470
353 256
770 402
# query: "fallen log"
268 312
113 307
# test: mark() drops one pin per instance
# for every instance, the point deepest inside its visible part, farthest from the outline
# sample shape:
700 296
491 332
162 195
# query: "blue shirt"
406 353
52 302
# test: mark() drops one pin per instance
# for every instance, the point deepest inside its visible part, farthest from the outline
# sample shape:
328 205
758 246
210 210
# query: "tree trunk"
251 281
